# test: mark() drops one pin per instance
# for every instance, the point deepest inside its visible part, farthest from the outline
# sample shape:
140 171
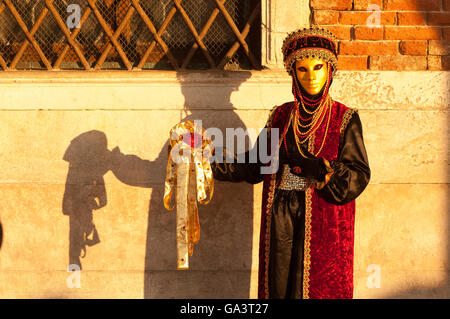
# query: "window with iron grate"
130 34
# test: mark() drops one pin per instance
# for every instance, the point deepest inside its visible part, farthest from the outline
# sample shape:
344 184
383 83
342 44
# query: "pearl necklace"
317 118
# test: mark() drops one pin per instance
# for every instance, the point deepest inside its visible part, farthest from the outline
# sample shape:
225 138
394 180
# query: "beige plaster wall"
280 17
402 222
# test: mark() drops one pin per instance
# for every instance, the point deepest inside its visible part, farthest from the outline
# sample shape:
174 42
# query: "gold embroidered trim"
346 118
307 244
308 31
320 54
270 198
267 236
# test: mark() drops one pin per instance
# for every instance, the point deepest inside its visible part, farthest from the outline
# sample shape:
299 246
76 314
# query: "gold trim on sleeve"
347 116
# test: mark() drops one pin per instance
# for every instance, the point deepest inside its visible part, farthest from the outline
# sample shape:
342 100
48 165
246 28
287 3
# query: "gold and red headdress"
306 43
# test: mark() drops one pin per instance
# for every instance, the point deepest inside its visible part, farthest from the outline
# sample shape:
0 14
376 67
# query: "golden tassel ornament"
189 175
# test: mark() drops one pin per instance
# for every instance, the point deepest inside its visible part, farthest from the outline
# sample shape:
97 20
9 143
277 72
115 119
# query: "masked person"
308 204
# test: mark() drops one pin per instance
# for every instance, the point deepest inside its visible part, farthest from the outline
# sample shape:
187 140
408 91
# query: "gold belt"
291 181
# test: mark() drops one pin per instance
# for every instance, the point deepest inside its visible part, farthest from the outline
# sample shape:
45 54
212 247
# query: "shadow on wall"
221 264
85 192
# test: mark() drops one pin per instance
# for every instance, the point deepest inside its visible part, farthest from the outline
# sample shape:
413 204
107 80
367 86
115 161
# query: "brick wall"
412 34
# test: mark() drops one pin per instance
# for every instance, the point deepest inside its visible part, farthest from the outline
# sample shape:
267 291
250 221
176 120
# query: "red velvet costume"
307 232
329 228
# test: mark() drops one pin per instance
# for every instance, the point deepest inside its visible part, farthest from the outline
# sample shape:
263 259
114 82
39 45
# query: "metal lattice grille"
129 34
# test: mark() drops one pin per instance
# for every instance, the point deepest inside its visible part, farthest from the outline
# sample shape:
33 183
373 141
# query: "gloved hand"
310 167
313 168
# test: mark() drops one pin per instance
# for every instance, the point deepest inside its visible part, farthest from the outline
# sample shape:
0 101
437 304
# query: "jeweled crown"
310 43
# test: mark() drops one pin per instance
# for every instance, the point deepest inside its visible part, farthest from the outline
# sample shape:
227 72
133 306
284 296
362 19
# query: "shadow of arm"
134 171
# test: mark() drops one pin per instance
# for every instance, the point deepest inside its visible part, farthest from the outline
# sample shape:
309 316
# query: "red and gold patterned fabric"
329 228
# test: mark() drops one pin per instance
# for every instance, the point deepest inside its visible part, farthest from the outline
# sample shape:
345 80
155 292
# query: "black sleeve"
351 169
230 170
